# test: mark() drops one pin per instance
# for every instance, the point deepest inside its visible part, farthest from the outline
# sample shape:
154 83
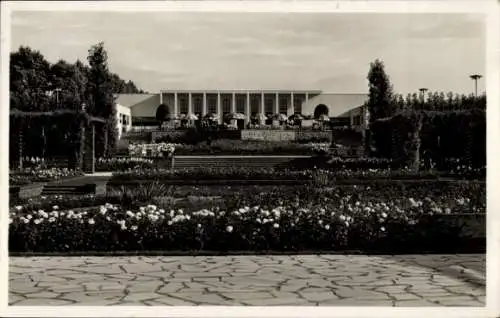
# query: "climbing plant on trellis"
73 136
444 134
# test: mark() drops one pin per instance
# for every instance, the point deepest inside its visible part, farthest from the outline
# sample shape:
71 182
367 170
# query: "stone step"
69 189
277 162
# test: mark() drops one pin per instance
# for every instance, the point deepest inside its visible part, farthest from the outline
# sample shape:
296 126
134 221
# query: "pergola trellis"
86 126
468 117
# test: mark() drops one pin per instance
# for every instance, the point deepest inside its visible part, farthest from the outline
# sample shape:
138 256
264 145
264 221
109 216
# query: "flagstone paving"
305 280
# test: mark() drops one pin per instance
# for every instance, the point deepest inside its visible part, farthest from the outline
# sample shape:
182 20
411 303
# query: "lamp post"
57 90
422 94
475 78
423 90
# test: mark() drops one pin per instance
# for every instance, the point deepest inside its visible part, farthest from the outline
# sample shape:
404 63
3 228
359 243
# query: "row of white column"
233 104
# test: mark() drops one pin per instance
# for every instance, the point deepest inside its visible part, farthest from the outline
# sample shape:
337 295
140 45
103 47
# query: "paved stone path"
327 280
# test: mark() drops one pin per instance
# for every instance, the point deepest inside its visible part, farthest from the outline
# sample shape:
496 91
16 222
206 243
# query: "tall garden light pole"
57 90
422 95
475 78
423 90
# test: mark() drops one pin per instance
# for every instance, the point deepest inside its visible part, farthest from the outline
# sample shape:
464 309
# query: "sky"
304 51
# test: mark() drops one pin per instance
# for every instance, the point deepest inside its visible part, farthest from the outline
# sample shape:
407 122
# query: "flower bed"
209 174
302 175
232 147
37 174
245 147
280 228
451 165
447 194
61 202
317 221
152 150
357 163
124 163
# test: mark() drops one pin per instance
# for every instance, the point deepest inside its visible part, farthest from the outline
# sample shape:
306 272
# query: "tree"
161 114
380 92
380 97
121 86
102 100
28 88
37 85
29 80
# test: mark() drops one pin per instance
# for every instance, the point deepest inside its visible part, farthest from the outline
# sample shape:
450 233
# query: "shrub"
142 193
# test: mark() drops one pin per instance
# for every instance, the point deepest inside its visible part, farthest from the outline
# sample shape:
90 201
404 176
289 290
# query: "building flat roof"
198 91
129 100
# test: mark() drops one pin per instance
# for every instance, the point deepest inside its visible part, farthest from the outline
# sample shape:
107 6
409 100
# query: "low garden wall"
286 135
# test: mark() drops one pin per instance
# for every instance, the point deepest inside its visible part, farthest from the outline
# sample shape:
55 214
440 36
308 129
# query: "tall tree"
380 98
380 92
102 100
78 85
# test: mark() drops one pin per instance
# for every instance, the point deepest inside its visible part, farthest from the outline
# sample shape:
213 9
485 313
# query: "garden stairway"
69 189
277 162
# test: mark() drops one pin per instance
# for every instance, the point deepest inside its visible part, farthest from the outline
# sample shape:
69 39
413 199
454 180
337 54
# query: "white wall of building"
147 106
124 119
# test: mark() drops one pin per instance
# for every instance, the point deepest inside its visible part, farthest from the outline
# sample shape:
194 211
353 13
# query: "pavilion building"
139 109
